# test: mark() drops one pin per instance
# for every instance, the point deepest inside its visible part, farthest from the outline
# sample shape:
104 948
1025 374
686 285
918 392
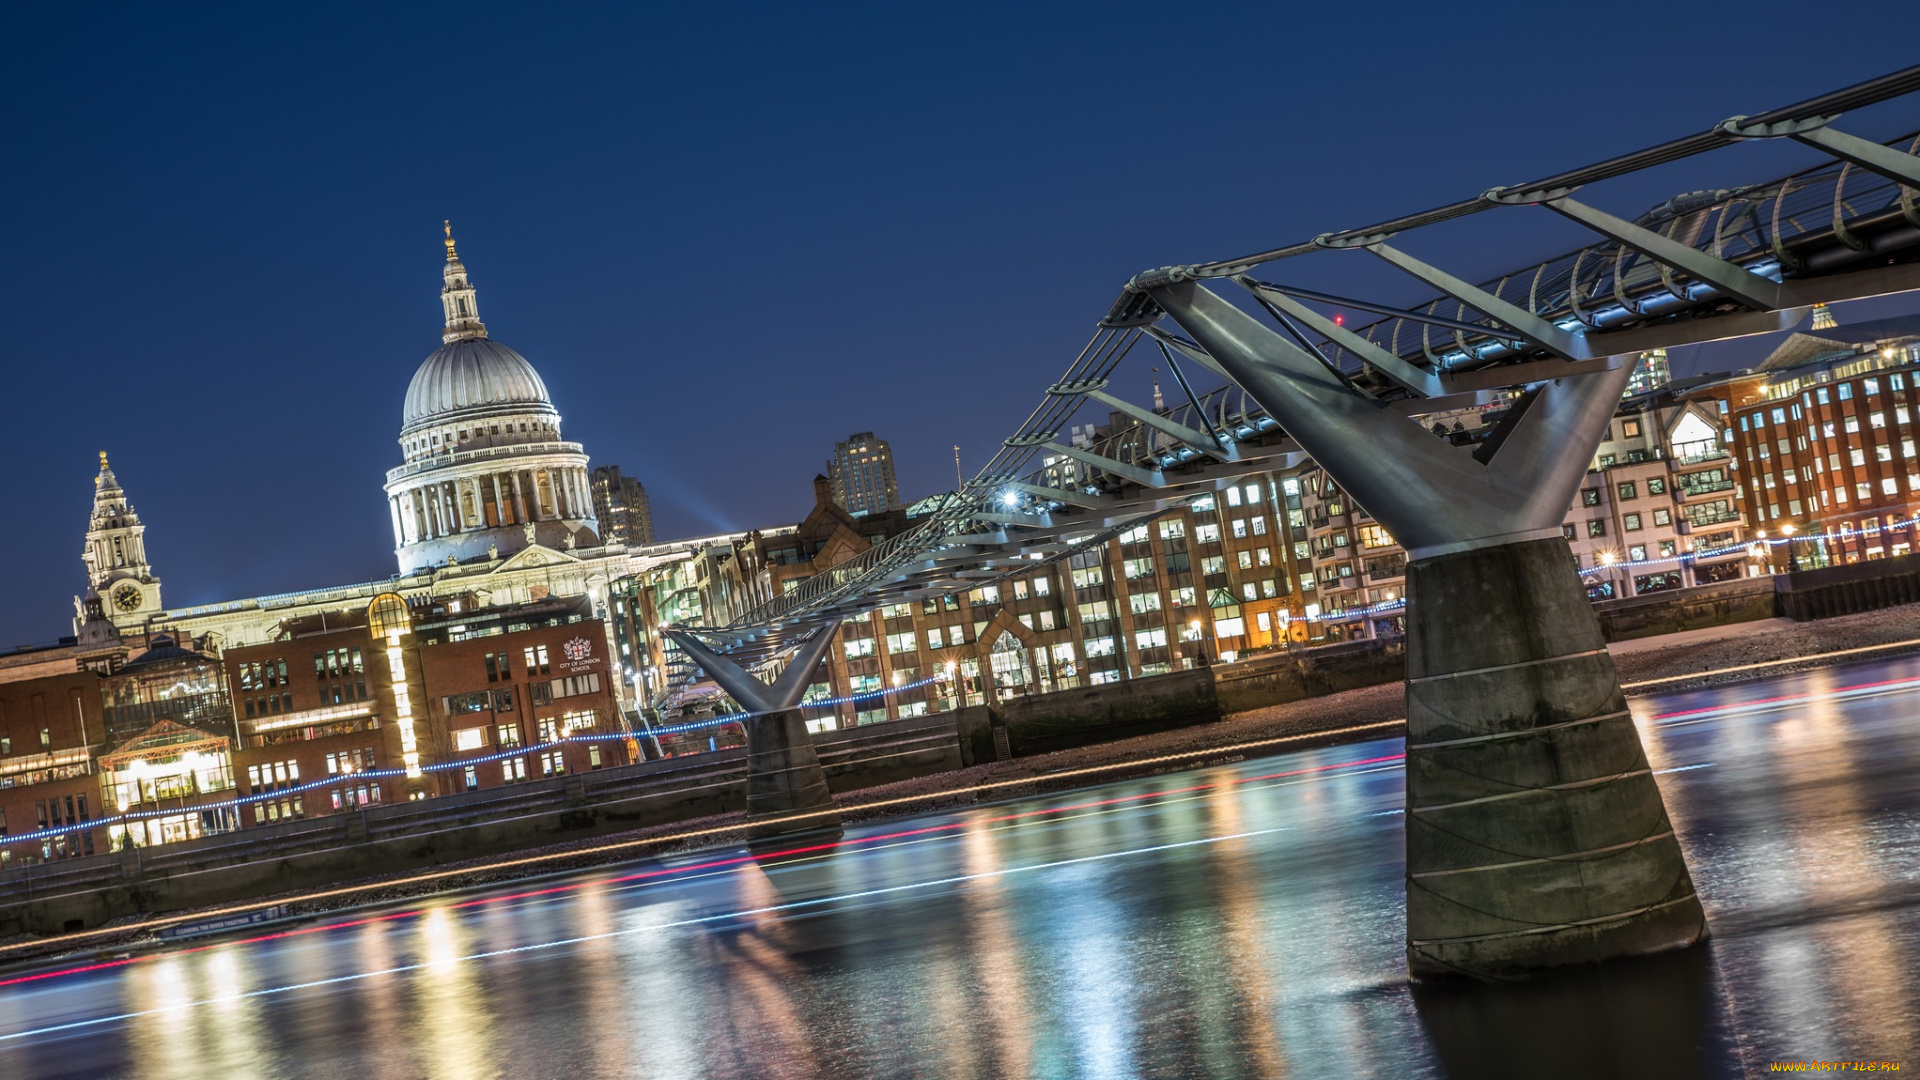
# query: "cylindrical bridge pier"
1536 836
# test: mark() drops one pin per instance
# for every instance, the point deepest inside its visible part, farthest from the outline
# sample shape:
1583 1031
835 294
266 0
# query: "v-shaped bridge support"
786 787
1434 496
1536 836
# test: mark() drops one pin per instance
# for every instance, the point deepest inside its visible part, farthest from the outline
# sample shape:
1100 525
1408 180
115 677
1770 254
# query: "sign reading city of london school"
577 655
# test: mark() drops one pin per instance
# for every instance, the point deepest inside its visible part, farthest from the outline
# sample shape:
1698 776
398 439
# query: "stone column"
784 778
519 499
1536 835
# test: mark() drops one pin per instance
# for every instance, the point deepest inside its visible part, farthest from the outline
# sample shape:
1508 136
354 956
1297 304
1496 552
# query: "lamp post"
1759 554
1606 560
643 698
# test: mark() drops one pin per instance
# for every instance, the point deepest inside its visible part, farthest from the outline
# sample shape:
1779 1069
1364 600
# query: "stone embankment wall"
74 894
1277 678
1736 601
1849 589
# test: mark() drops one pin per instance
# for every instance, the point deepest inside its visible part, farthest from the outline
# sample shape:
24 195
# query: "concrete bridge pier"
787 791
1536 836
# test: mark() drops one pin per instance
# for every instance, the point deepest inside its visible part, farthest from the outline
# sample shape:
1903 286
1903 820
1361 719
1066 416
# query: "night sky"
728 236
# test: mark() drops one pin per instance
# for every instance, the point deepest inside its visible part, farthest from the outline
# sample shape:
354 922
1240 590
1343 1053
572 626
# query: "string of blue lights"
338 779
1662 560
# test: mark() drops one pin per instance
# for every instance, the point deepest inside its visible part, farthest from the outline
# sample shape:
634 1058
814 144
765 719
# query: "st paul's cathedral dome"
486 473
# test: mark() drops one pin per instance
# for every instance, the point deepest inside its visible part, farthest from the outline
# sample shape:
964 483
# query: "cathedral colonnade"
484 495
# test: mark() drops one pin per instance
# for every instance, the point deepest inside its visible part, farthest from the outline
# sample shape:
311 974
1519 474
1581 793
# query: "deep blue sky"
726 235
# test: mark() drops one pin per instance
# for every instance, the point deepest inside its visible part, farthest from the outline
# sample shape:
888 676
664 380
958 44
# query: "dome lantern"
458 298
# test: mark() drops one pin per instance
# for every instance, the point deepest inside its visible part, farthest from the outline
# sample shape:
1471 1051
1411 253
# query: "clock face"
126 597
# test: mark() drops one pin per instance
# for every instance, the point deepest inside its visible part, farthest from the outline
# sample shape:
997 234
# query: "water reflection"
1000 973
748 961
452 1030
1231 923
1250 971
1652 1019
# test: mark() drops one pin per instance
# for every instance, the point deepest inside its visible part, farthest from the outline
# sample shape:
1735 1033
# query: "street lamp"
1607 559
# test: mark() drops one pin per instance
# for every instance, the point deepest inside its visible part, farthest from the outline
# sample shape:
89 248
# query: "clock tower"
118 577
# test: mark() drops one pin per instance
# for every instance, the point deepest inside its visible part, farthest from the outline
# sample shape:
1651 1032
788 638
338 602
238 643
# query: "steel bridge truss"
1703 266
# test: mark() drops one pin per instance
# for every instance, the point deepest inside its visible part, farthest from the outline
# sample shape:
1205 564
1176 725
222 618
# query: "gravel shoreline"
1327 720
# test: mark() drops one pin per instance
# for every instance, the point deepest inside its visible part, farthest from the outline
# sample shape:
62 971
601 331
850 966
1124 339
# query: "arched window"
388 613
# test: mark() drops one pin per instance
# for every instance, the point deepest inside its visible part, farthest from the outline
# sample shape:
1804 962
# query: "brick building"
49 728
503 688
316 706
1825 439
497 687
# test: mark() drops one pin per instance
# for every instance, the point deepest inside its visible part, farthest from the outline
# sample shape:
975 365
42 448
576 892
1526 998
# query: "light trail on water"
668 875
1780 701
792 905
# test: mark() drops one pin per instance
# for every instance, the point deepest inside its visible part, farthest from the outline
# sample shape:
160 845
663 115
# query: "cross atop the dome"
447 224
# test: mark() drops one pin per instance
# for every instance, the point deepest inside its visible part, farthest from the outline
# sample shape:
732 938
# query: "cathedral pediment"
533 557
